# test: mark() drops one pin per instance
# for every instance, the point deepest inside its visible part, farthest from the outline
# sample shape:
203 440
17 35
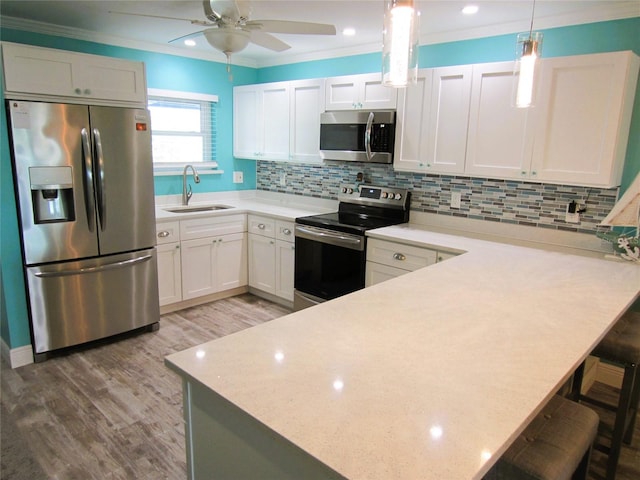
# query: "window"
183 129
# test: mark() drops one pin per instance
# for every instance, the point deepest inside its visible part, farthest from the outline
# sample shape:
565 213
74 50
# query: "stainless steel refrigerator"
84 186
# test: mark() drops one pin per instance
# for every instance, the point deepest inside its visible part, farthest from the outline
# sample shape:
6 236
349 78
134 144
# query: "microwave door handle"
102 206
89 196
367 135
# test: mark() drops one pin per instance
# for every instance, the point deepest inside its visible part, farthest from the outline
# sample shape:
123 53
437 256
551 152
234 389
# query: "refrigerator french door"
84 185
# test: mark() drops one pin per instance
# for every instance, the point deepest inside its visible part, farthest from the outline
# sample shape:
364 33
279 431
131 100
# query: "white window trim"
176 168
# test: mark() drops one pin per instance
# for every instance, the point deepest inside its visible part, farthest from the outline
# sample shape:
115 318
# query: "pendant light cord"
533 11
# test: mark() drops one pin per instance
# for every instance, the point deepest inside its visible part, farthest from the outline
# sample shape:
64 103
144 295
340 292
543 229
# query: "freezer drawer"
77 302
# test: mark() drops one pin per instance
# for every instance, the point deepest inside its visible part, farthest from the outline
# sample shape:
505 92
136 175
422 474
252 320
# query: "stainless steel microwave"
358 136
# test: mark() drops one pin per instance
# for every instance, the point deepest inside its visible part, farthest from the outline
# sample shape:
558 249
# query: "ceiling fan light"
400 43
227 40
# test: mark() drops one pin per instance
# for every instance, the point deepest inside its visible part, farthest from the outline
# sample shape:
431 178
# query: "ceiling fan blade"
285 26
188 36
193 22
268 41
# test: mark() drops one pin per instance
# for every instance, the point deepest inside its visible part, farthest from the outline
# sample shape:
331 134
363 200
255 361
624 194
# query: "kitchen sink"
196 208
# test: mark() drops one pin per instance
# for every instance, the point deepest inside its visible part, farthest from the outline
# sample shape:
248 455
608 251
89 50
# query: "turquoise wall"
180 73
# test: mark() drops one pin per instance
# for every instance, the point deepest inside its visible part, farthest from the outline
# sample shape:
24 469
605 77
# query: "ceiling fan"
230 30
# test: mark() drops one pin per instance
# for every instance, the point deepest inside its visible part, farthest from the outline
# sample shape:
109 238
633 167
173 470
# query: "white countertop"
430 375
280 206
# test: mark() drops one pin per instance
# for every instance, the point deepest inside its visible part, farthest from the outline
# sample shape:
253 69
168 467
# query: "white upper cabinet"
432 121
278 121
576 134
34 72
261 121
359 92
582 126
498 143
306 103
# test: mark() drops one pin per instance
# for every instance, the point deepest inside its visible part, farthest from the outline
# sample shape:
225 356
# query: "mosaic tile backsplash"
507 201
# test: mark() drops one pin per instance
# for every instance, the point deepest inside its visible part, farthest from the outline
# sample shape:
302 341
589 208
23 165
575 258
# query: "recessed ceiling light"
470 9
349 32
190 43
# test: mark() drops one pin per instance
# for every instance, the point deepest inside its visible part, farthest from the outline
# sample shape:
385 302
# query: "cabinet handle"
78 91
399 256
87 91
534 173
286 231
163 234
178 246
261 226
523 173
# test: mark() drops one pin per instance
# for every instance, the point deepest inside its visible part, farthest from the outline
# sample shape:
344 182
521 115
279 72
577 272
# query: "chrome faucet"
187 193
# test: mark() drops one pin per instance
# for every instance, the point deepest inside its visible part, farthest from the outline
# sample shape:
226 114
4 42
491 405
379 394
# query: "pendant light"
400 43
528 51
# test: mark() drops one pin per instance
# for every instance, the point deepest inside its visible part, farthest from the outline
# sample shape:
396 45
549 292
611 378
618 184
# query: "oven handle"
330 237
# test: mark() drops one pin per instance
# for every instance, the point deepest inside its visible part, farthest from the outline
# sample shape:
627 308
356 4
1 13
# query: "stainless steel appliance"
331 248
358 136
84 186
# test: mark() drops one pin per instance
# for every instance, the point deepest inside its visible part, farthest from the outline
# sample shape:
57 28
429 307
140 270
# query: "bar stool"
556 445
621 346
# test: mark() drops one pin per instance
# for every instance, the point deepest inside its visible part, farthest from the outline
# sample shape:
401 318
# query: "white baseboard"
610 374
16 357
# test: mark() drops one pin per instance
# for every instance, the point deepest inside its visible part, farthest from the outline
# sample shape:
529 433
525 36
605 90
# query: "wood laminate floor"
115 411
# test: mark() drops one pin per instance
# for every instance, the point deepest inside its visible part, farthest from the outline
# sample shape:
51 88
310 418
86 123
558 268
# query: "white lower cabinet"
210 258
386 260
271 256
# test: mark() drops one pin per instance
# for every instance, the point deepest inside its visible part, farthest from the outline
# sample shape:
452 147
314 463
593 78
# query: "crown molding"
596 14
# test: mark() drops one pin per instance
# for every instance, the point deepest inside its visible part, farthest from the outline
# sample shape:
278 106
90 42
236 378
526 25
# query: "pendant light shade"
527 66
526 69
400 43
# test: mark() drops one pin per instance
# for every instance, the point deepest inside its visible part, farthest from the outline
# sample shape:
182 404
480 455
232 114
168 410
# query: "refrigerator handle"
100 186
89 198
101 268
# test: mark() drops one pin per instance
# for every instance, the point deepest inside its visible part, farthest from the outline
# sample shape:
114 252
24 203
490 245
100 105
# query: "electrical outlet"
572 215
238 177
283 179
456 198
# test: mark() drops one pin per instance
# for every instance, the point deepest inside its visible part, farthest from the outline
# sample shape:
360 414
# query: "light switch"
456 198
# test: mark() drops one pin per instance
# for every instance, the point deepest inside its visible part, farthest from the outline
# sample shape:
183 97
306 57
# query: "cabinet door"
342 93
37 70
273 138
585 104
110 79
262 263
498 144
412 119
448 119
375 96
377 273
169 274
198 267
285 262
231 261
306 104
245 122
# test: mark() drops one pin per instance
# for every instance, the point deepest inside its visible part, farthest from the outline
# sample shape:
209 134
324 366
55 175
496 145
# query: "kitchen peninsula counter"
430 375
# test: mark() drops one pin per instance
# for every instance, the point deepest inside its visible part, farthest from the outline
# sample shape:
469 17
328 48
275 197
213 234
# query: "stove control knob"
398 196
344 189
349 191
384 195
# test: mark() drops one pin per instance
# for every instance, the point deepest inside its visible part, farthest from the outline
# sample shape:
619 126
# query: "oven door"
328 264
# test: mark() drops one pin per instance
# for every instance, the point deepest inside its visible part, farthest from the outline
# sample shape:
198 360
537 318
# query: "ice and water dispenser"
52 194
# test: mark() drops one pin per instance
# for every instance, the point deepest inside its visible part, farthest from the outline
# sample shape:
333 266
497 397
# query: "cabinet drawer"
398 255
284 231
262 226
167 232
212 226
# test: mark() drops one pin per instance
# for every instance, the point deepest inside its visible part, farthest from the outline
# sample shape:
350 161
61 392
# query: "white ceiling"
441 21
